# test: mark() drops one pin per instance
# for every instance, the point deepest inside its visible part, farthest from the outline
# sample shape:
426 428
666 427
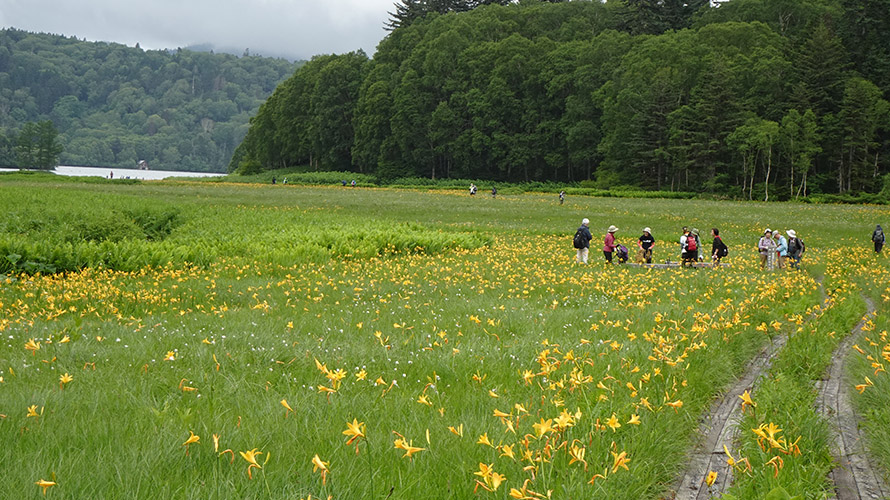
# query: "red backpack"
690 243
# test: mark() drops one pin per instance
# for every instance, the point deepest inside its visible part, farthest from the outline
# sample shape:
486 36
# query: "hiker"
494 192
581 241
562 197
878 238
689 248
796 248
697 244
609 243
353 183
285 181
718 248
646 243
273 179
767 248
781 248
472 189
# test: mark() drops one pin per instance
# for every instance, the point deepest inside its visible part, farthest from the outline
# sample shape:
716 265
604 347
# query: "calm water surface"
123 173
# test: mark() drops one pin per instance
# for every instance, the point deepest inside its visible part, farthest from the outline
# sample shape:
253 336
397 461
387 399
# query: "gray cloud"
290 28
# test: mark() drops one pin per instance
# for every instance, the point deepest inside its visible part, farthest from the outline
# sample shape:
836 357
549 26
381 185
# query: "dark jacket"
717 246
585 234
795 248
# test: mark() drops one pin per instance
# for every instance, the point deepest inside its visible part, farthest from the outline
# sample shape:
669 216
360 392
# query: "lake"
122 173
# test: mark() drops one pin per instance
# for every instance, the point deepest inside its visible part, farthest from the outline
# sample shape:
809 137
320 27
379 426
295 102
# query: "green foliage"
637 93
115 105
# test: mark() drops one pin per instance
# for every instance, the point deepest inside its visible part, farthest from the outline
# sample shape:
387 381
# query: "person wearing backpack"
689 243
878 238
718 248
609 244
581 241
796 248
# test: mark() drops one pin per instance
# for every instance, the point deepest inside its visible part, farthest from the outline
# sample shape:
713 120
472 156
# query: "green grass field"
476 357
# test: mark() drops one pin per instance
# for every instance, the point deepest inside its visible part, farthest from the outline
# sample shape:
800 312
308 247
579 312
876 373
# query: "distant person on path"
689 247
796 248
273 179
581 241
494 192
609 243
472 189
645 243
781 248
878 238
718 248
111 176
353 182
767 248
344 182
562 197
285 181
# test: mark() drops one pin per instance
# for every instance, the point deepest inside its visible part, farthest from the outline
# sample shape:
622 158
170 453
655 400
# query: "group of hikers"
775 250
778 252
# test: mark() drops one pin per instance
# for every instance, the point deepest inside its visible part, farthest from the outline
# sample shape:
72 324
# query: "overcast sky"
296 29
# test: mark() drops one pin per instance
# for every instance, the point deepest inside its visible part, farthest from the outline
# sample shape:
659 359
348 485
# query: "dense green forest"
115 105
761 99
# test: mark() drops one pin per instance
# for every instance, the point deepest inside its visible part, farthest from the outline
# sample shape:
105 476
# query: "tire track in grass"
719 428
853 476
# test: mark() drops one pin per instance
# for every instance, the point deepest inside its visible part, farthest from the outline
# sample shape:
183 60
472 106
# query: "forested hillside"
761 99
115 105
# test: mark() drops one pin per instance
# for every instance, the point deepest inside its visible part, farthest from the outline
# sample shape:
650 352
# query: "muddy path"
854 475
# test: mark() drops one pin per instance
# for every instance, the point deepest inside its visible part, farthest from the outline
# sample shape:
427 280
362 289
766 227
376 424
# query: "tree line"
115 105
759 99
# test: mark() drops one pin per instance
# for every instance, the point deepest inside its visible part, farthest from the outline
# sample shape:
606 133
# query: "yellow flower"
170 356
287 408
621 460
712 476
64 379
576 454
317 465
747 401
33 346
613 423
193 438
483 439
45 484
491 480
216 442
543 427
356 430
634 420
250 456
32 411
409 449
676 405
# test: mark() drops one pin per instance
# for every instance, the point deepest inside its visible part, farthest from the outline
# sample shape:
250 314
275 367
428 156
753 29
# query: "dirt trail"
854 477
719 428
